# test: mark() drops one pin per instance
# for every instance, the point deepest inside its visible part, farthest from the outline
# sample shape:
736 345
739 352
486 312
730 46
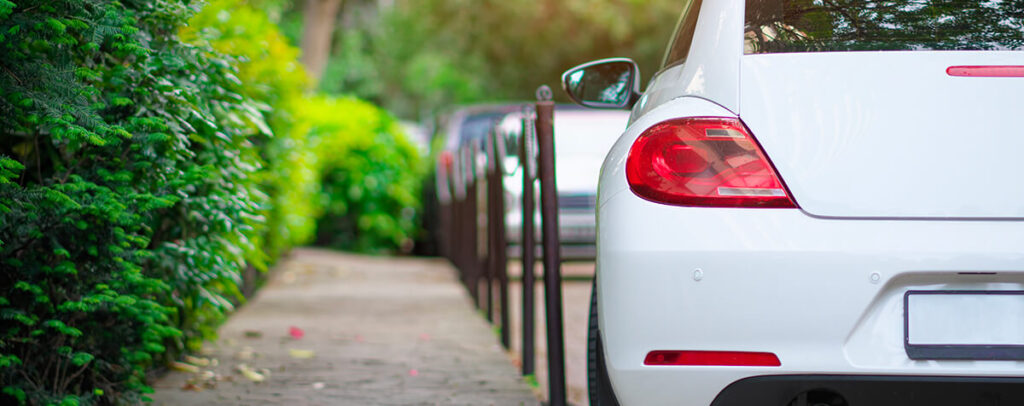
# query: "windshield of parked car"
777 26
476 126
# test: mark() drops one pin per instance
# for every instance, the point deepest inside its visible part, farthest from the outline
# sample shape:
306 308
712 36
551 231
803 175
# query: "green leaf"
16 393
7 360
81 358
70 400
6 8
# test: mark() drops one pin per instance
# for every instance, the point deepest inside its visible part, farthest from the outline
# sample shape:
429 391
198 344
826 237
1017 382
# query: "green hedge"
144 164
339 170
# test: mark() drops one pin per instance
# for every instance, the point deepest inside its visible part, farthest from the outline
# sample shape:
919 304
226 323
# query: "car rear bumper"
824 295
843 390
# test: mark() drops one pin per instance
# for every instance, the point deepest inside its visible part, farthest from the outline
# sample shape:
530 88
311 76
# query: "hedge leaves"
142 169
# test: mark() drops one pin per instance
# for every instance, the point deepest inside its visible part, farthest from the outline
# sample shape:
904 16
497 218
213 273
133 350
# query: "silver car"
582 139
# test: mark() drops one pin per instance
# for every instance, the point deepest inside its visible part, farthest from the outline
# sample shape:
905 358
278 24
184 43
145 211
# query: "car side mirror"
612 83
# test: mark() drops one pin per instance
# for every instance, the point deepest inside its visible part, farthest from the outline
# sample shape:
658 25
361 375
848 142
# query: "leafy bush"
275 81
338 170
142 170
371 175
127 205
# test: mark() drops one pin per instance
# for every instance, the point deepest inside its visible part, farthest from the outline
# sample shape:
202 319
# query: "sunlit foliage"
145 163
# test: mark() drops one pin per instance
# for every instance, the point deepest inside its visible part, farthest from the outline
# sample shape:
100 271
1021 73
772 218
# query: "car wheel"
598 385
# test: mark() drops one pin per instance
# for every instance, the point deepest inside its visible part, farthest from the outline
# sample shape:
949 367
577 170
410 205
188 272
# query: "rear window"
477 126
679 48
777 26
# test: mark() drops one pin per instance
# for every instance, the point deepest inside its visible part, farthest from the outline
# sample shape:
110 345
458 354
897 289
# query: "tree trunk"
319 17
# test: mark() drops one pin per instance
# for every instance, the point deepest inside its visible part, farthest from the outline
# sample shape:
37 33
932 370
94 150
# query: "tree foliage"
422 55
338 170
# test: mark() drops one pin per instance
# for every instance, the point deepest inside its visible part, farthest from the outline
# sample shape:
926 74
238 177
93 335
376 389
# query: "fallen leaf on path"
198 361
253 334
301 354
206 379
183 367
192 387
247 353
296 332
249 373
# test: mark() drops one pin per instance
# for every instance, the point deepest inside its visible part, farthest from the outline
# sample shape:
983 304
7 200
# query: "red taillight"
704 161
446 160
715 358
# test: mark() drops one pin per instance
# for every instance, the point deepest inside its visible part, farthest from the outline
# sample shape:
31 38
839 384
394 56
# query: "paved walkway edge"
342 329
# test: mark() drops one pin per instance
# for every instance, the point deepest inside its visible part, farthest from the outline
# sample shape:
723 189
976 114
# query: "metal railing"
476 241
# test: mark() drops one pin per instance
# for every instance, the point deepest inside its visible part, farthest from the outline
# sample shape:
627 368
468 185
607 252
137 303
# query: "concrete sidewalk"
381 331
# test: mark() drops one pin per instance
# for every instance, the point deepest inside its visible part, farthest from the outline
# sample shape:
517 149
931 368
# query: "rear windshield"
477 126
777 26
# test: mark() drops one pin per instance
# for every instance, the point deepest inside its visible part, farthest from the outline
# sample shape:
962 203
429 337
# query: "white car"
582 140
815 203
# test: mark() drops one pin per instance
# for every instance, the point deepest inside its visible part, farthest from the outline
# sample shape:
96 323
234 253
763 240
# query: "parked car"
464 126
582 140
814 204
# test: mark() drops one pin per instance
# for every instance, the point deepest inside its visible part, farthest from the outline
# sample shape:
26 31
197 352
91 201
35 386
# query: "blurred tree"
319 17
415 57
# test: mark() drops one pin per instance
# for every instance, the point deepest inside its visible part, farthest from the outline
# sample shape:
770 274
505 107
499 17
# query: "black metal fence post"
549 237
456 217
496 229
484 225
471 254
527 144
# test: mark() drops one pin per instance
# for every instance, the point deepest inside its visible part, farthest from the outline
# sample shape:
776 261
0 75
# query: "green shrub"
144 163
338 170
370 175
126 203
275 80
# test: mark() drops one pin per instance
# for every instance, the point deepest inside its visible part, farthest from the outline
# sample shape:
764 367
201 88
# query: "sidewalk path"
382 331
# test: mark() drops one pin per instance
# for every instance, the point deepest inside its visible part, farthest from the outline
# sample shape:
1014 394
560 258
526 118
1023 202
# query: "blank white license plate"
953 318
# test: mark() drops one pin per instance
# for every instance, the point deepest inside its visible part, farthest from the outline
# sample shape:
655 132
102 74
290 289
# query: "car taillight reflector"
713 358
704 161
446 160
993 71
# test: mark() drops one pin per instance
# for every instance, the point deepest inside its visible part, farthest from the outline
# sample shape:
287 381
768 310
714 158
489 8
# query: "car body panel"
712 68
889 134
874 148
780 281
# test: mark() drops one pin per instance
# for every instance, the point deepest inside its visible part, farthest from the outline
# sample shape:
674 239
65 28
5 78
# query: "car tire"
598 384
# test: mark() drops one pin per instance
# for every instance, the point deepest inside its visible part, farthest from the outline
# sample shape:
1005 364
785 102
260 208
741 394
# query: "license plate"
987 325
